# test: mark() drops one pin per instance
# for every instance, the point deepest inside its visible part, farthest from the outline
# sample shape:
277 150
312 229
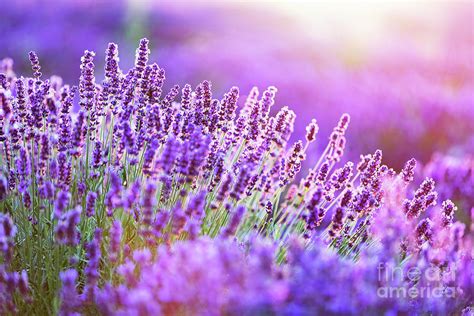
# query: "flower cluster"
146 201
455 179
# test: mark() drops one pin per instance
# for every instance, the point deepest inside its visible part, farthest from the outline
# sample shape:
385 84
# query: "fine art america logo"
412 283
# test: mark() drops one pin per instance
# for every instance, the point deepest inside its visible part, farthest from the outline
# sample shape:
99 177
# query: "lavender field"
236 158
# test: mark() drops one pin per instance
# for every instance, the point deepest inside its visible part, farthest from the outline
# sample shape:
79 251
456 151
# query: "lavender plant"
137 203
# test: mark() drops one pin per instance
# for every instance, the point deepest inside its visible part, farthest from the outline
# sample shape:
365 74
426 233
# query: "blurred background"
402 69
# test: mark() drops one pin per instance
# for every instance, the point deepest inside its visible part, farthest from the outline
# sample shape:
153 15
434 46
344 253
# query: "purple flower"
47 190
91 271
114 196
7 233
336 222
241 181
23 285
311 131
87 81
448 212
132 195
112 82
142 257
77 141
161 220
65 170
115 241
424 232
424 197
90 203
148 202
234 222
69 296
179 220
35 66
23 171
408 171
169 155
141 57
97 155
323 172
227 109
61 203
67 231
284 122
149 157
3 188
196 206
